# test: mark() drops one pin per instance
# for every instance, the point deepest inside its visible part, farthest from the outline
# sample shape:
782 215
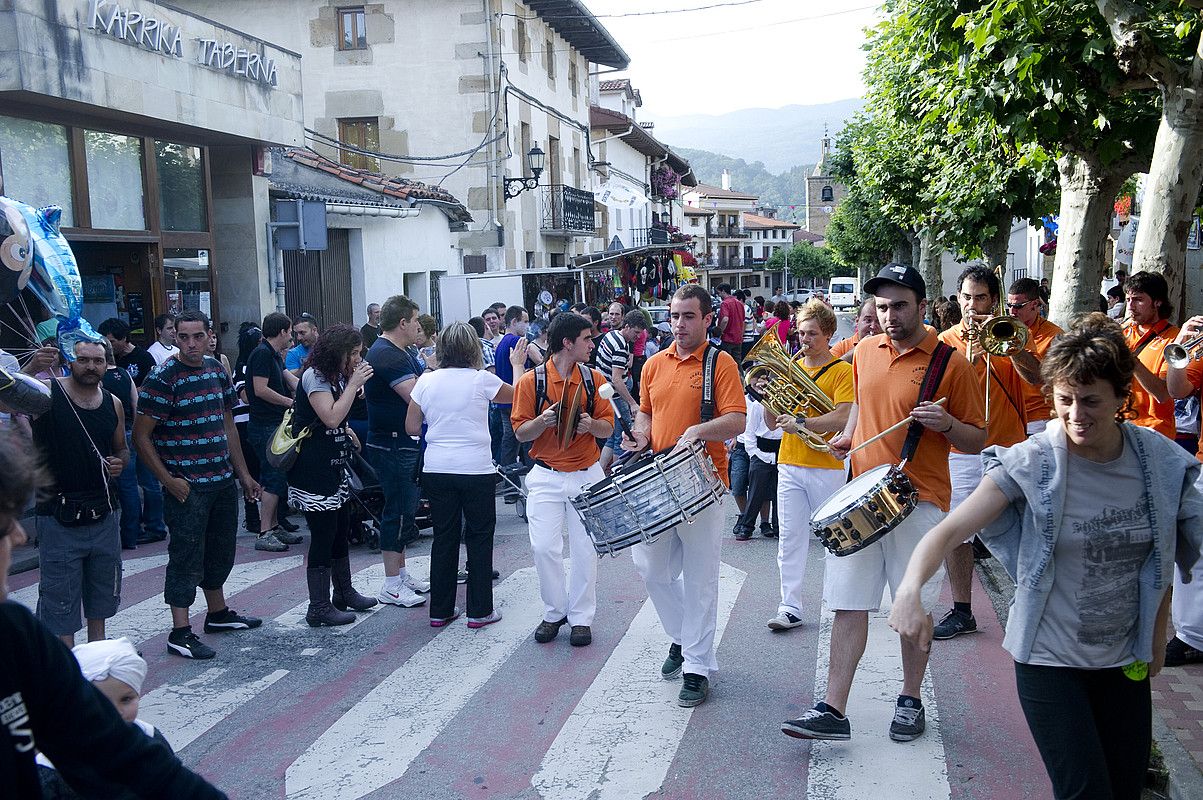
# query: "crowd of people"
1059 455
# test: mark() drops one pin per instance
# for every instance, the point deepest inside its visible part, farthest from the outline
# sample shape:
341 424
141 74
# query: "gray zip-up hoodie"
1032 475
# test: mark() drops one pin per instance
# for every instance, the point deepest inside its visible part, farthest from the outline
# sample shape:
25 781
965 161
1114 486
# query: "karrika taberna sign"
143 31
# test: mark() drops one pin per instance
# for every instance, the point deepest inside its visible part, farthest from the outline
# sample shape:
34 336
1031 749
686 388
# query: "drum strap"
927 392
709 359
541 398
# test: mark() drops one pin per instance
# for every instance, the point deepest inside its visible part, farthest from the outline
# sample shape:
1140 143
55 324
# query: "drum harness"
927 391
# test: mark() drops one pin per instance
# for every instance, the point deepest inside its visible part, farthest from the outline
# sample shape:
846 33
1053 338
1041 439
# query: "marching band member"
1147 333
805 476
1088 518
866 326
978 293
1187 606
890 369
561 473
1025 303
680 569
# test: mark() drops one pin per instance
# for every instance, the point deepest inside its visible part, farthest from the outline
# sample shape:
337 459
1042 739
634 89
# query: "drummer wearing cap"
680 568
560 473
888 372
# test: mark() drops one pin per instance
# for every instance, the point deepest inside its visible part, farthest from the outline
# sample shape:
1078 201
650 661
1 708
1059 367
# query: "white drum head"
847 494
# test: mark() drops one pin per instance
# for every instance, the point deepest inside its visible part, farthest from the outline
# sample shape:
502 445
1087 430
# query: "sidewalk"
1177 705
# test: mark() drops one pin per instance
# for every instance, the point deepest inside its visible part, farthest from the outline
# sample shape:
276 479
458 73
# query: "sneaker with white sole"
267 541
909 720
187 644
416 585
400 596
784 621
480 622
816 724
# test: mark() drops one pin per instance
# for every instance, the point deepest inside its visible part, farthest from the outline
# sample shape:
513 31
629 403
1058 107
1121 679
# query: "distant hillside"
780 138
784 190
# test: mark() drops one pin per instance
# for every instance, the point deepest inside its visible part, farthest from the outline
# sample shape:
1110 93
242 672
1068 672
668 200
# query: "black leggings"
328 535
1093 728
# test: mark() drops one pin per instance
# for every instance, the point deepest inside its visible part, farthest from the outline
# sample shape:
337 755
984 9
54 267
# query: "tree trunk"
997 247
904 251
1171 191
1087 200
930 266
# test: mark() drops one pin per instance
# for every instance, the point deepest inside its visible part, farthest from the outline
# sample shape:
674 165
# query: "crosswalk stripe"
186 711
871 764
623 734
368 581
28 596
375 741
151 617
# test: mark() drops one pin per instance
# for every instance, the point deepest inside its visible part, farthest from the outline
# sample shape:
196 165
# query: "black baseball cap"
901 275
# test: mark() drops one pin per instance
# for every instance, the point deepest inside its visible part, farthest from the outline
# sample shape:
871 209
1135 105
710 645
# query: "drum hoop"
881 483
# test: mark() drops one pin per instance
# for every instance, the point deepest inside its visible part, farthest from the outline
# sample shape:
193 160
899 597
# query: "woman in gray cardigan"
1089 518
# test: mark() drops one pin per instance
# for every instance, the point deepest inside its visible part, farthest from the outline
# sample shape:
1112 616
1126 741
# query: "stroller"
367 498
512 475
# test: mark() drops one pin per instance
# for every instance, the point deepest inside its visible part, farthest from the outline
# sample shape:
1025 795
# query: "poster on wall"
204 304
137 318
1192 239
175 301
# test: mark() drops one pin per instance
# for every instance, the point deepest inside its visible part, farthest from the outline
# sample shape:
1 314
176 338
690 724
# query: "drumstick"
606 392
891 429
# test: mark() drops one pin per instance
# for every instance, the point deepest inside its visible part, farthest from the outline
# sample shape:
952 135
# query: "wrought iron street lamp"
535 160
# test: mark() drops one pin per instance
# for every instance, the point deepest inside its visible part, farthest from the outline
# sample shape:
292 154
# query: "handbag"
285 446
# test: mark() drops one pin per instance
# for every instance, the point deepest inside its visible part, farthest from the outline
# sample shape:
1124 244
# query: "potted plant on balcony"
664 183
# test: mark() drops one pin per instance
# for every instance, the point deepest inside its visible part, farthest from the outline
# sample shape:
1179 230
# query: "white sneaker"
416 585
402 596
784 621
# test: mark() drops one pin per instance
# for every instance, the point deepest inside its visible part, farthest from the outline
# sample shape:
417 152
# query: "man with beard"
82 440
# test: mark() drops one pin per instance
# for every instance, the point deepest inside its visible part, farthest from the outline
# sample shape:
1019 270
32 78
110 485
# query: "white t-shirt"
162 353
455 404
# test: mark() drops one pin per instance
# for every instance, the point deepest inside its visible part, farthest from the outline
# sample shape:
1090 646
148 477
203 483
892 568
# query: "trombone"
1000 335
1179 355
790 390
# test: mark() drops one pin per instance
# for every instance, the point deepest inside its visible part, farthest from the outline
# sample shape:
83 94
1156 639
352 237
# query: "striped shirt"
189 405
487 353
613 351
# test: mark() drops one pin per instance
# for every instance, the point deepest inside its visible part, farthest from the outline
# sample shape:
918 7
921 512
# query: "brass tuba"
790 390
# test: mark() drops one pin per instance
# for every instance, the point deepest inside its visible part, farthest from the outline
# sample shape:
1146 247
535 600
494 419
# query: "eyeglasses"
1017 306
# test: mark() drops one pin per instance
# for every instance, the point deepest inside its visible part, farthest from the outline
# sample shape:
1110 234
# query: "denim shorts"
737 471
81 568
271 479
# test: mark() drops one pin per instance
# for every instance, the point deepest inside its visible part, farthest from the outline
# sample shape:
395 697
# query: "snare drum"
647 497
864 510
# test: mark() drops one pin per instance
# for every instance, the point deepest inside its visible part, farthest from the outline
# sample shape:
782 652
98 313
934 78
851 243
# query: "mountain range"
768 151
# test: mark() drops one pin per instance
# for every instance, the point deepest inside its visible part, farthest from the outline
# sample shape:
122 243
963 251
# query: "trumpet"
790 390
1179 355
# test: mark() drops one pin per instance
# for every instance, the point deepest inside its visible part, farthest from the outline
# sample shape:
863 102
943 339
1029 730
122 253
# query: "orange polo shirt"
670 390
1041 336
1008 422
843 346
582 453
887 388
1150 413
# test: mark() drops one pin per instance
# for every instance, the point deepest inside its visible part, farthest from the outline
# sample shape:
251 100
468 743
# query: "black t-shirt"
265 362
138 363
45 704
119 383
370 334
391 365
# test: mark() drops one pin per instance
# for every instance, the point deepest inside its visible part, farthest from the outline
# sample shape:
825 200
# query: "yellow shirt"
836 383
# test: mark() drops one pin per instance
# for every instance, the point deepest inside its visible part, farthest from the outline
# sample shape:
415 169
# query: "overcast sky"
765 54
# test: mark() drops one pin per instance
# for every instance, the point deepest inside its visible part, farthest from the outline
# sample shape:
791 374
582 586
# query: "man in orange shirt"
866 326
680 569
888 371
1147 333
560 473
978 290
1187 605
1025 302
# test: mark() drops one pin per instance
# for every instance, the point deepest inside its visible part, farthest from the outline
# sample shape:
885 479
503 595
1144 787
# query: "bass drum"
864 510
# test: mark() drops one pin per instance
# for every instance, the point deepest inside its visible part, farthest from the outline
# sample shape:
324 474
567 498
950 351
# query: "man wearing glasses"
1025 303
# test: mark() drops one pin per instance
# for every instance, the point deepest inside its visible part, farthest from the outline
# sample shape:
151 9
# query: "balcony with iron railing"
567 212
726 232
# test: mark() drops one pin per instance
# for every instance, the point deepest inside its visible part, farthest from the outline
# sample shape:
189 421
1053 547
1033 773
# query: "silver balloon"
21 394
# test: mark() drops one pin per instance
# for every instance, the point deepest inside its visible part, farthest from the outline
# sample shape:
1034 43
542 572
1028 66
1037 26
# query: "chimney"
726 180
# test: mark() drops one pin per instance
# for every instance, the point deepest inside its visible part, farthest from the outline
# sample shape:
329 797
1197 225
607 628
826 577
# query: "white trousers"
549 511
680 570
800 490
1186 607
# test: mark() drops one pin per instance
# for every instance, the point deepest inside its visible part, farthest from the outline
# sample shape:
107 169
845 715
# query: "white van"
844 293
